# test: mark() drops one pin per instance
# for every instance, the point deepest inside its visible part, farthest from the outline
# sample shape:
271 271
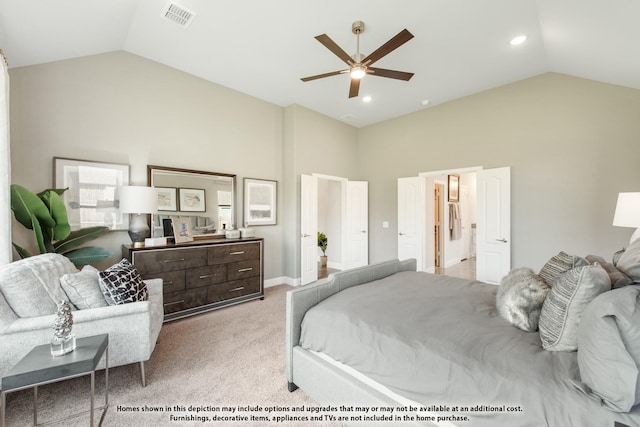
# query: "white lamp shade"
627 210
138 200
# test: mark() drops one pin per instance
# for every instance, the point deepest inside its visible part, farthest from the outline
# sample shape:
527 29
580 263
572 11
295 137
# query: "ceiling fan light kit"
360 65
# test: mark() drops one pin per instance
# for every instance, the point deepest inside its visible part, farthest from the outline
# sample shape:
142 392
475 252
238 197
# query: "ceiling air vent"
178 14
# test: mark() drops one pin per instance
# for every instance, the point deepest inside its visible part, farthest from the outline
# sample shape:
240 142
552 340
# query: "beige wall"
572 145
121 108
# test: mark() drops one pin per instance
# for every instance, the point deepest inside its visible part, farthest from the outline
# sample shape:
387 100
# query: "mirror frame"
151 168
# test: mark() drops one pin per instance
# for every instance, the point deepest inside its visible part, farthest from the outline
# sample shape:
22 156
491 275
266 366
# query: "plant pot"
323 261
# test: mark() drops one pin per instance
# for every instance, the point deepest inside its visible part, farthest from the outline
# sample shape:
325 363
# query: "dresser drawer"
171 280
169 260
230 253
243 269
229 290
205 276
178 301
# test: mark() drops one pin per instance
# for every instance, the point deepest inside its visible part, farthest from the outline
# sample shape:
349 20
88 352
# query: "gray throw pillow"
629 261
560 264
609 348
562 310
617 277
520 297
83 288
121 283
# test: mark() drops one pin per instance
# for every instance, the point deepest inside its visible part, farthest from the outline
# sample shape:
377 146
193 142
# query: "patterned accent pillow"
121 283
560 264
562 310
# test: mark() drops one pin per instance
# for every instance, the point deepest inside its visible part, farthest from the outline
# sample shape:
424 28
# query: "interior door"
411 211
493 240
308 229
357 220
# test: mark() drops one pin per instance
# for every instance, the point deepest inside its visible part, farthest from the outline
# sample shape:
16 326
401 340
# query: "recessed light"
425 102
518 40
366 99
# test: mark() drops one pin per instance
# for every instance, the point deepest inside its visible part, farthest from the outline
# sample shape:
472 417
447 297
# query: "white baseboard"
282 280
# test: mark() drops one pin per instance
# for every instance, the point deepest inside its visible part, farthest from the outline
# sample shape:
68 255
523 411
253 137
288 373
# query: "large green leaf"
88 255
58 212
78 238
30 211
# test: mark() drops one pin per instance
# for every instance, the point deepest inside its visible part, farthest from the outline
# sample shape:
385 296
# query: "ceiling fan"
359 66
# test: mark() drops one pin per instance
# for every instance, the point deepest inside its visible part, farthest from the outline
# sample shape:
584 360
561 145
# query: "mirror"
207 198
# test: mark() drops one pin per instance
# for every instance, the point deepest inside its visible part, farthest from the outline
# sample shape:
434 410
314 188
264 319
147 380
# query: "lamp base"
138 230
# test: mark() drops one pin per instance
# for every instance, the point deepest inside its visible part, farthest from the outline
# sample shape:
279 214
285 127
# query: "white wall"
572 144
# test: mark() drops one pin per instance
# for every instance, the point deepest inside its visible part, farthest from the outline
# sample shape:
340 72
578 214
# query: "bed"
386 336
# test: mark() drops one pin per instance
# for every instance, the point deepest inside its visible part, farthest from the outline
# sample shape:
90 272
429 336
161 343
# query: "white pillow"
83 288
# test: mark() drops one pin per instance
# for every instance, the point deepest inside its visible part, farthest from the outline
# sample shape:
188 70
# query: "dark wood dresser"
204 274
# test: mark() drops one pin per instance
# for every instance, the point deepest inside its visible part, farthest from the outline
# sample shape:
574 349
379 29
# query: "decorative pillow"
616 257
629 261
617 277
520 296
83 288
560 264
31 286
562 310
609 343
121 283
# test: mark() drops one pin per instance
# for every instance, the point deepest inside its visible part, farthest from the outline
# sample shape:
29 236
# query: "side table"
39 367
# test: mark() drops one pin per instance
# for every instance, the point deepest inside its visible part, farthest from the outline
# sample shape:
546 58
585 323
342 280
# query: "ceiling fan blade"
392 74
354 88
333 47
398 40
320 76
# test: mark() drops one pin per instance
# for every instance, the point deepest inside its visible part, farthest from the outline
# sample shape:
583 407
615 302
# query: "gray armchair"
31 288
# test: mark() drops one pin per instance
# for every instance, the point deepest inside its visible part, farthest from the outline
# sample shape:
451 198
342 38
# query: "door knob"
503 240
401 234
364 231
305 235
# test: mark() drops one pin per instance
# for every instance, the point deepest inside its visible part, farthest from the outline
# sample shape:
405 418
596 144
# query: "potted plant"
322 244
46 215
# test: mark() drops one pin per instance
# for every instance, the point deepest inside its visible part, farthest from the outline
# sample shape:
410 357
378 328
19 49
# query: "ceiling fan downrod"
357 69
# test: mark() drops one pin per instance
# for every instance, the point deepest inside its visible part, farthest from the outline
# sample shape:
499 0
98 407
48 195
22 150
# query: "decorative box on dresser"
204 274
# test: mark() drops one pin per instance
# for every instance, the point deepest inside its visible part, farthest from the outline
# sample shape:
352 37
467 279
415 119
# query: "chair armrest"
154 286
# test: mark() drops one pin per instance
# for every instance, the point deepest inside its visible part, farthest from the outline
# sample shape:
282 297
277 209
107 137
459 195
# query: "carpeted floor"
229 357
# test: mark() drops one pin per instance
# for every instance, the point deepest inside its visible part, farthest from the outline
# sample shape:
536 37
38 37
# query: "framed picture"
167 199
192 200
92 198
182 229
453 188
260 200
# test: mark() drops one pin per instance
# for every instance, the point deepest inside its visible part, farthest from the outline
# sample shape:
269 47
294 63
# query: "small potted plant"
322 244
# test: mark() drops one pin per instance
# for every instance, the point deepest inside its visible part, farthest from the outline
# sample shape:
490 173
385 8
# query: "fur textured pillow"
520 297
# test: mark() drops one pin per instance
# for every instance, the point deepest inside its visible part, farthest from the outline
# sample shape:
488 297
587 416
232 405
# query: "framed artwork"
182 229
192 200
453 188
167 199
92 196
260 201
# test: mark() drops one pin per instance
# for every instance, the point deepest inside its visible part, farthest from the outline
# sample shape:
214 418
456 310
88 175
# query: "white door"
357 220
493 257
411 211
308 229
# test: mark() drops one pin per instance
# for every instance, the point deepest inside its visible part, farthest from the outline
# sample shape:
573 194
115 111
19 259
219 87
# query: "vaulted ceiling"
263 48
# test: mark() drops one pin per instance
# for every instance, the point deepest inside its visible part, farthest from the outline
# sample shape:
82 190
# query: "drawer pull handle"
204 276
236 289
242 270
236 253
173 260
168 282
174 303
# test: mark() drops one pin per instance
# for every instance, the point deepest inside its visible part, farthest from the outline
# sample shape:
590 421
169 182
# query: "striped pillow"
563 307
560 264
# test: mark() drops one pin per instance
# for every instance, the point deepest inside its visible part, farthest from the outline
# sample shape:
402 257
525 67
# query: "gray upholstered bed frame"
320 380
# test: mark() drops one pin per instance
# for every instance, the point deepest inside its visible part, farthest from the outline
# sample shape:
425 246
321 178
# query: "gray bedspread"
439 341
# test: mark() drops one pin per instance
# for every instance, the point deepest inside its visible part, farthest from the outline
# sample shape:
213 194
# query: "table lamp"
628 213
139 201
